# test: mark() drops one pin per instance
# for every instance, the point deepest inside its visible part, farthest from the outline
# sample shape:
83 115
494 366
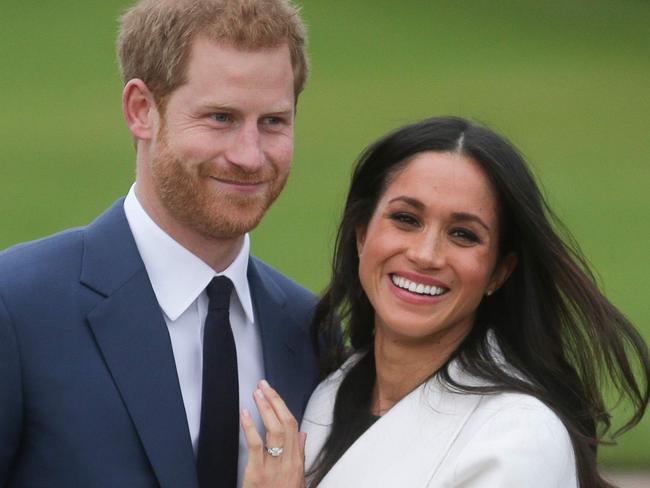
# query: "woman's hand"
281 461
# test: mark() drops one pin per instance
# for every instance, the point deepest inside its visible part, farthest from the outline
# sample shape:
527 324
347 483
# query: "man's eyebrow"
224 107
217 107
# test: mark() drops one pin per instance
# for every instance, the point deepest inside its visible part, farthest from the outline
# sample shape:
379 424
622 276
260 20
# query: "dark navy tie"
219 433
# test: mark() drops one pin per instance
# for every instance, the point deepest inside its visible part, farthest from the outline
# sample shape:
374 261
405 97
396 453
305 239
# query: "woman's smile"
418 286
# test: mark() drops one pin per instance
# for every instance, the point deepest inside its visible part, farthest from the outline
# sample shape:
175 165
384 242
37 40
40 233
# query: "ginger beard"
191 196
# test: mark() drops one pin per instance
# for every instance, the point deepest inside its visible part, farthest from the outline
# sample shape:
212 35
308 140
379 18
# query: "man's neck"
215 252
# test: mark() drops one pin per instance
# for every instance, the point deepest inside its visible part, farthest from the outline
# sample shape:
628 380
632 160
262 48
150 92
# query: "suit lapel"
131 333
282 340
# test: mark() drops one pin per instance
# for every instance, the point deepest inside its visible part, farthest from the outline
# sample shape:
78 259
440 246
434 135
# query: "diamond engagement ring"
274 451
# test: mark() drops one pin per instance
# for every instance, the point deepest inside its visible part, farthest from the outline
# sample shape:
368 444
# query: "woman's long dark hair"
550 319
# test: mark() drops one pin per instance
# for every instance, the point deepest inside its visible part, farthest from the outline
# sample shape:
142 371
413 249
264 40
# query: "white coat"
435 437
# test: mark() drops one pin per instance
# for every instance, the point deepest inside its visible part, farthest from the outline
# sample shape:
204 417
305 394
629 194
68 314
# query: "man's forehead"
224 77
203 43
214 59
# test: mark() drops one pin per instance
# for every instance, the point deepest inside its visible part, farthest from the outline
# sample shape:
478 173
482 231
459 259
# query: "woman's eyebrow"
464 216
413 202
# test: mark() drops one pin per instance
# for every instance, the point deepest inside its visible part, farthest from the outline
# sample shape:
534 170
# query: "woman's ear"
139 109
361 238
502 272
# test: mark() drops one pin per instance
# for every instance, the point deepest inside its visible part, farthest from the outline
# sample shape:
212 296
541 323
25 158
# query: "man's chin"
229 224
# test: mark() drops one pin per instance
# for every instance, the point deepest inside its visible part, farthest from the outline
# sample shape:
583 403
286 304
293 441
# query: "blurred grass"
567 81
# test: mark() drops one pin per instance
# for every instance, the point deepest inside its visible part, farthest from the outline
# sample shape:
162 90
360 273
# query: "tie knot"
219 290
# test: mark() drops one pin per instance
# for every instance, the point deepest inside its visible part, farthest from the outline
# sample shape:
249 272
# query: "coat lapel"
282 340
408 444
131 333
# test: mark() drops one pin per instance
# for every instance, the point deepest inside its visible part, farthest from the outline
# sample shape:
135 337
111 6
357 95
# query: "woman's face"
429 253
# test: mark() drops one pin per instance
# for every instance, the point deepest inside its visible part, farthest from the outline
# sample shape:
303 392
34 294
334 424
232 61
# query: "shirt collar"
177 276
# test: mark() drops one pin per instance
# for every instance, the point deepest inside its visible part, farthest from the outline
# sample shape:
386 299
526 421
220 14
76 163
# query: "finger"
280 408
274 429
302 439
283 414
253 440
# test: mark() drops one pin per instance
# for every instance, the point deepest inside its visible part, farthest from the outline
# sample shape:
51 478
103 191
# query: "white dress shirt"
179 278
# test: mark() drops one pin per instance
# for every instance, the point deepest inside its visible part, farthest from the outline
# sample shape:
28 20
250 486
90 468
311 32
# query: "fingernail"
265 384
245 413
259 393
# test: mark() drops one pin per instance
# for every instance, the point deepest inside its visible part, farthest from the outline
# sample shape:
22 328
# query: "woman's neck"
402 366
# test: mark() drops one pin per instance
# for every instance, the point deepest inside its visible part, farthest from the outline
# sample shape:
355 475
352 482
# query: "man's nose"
245 150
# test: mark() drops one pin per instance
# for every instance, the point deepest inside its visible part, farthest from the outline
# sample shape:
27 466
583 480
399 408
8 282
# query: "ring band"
274 451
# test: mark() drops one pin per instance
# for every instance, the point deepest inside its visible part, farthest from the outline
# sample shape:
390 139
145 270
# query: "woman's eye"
405 218
465 235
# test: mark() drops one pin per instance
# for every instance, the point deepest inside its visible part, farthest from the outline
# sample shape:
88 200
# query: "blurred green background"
567 81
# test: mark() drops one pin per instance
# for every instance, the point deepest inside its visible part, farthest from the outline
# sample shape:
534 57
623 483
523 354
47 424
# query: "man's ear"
502 272
139 109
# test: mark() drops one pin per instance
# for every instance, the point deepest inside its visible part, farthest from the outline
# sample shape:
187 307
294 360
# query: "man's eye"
404 218
221 117
465 235
274 120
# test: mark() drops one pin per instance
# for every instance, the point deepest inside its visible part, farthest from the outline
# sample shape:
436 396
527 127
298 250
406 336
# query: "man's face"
223 151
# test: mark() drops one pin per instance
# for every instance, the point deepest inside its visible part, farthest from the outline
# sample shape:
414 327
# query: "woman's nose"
427 251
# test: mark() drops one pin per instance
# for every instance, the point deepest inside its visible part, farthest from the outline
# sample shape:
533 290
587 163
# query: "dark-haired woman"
478 337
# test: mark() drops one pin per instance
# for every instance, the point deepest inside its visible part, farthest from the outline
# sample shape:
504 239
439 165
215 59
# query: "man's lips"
244 186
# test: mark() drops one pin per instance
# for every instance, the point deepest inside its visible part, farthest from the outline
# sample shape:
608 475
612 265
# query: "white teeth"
418 288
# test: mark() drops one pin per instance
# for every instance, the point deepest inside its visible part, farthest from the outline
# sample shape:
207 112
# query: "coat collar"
417 432
283 338
130 331
110 256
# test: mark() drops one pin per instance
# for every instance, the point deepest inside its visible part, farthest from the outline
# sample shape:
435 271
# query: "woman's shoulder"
508 413
511 411
512 439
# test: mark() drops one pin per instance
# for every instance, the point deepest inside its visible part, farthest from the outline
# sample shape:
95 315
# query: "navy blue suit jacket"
89 395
